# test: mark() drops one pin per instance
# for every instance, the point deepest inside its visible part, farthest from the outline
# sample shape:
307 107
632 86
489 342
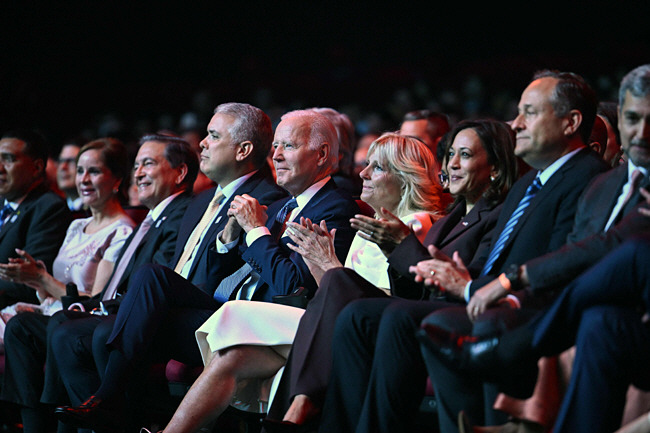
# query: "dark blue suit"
161 304
600 312
28 349
283 270
38 226
544 227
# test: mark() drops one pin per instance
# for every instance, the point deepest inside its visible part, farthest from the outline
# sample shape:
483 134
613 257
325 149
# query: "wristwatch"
514 277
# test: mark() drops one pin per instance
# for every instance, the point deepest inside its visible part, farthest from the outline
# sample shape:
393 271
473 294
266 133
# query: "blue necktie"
4 213
281 218
533 188
282 215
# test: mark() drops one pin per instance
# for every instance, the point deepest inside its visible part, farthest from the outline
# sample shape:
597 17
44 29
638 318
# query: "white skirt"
250 323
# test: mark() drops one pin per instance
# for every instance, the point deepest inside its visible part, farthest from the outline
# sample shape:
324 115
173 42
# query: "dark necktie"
283 216
4 214
234 281
533 188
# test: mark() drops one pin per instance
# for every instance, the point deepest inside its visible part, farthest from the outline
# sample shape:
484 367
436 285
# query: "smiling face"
381 188
95 182
540 132
18 172
468 167
634 129
297 165
155 179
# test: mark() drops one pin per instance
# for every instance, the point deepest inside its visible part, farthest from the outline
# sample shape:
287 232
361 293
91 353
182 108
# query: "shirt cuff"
224 248
256 233
467 293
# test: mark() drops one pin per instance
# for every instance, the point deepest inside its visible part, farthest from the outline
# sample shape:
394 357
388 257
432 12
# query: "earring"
492 178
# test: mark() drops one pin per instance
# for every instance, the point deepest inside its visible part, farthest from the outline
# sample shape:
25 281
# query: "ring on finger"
433 273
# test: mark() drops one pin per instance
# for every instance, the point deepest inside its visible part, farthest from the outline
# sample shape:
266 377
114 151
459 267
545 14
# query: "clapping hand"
387 231
24 269
315 243
441 272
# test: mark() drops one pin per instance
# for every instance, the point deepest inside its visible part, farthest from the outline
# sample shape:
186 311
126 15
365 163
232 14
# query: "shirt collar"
303 198
230 189
631 167
549 171
160 207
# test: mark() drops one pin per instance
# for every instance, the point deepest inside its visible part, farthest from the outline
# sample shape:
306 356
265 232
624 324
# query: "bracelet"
505 282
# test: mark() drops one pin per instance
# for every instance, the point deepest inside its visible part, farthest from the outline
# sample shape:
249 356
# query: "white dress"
274 325
77 260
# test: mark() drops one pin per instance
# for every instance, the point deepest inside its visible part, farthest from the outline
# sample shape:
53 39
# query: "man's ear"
324 154
243 150
182 172
574 120
39 165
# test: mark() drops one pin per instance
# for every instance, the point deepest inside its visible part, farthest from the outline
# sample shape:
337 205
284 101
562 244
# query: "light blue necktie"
533 188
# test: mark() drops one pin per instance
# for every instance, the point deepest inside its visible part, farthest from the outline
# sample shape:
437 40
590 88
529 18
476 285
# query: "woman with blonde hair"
245 343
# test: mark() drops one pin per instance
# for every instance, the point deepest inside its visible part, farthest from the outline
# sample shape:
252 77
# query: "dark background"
98 68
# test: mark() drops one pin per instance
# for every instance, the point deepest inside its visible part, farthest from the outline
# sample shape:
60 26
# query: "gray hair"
252 125
637 81
322 131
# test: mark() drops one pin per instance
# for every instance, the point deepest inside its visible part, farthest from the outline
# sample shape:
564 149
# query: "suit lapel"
222 217
547 189
611 190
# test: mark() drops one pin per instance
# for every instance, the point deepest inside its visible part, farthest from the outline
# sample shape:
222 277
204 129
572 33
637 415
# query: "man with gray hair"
163 305
161 311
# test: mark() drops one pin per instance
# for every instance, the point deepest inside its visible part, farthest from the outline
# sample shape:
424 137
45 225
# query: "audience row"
323 292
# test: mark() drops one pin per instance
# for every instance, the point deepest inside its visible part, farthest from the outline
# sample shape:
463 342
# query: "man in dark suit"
608 214
160 313
165 170
33 218
556 115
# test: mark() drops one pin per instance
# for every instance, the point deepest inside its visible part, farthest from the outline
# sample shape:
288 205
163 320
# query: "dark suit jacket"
548 220
281 270
469 235
157 246
588 243
38 226
208 268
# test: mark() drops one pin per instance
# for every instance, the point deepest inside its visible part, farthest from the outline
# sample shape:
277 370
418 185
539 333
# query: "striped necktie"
4 213
533 188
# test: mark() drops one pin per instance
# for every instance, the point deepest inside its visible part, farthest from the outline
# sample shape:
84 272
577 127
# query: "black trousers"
378 375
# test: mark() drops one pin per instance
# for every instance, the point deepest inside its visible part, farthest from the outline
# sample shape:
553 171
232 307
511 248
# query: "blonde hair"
412 162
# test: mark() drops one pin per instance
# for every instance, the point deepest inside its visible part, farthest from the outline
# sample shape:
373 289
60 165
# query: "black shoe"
462 352
516 376
91 414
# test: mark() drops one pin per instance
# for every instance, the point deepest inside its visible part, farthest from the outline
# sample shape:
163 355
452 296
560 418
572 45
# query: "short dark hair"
36 146
177 152
440 120
572 92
